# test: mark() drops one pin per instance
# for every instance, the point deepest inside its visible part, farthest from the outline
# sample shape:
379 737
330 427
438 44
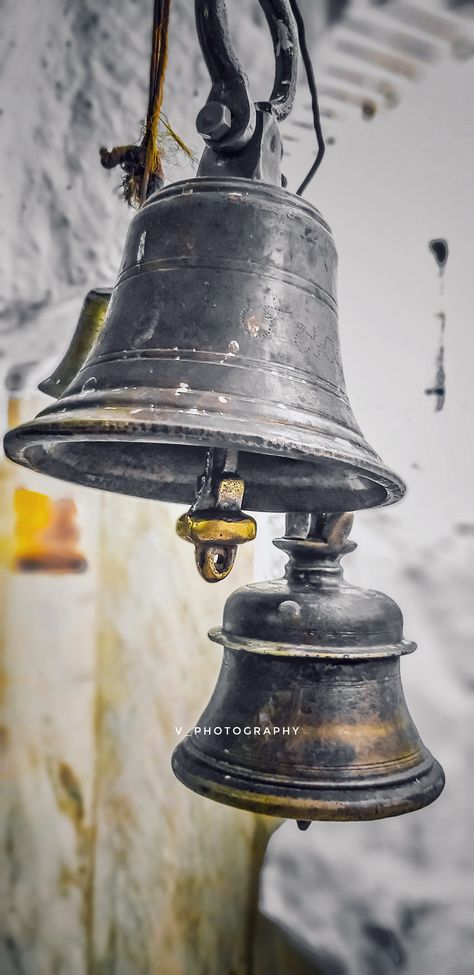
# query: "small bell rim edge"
311 651
429 787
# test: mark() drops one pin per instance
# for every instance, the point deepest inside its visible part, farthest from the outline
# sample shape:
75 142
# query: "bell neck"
315 545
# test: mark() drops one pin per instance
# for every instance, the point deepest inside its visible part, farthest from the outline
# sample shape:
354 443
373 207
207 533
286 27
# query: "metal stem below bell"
308 719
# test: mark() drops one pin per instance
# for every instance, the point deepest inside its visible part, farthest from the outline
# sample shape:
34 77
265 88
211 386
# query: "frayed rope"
142 164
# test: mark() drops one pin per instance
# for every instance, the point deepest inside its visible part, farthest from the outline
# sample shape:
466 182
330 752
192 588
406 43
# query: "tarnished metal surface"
229 82
259 160
308 719
221 332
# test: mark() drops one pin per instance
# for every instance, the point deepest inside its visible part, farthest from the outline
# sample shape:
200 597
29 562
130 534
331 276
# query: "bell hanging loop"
228 120
242 137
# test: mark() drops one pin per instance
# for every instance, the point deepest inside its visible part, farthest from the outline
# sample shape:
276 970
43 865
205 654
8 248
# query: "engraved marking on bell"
252 323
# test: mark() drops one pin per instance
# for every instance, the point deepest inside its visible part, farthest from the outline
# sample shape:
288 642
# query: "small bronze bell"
308 718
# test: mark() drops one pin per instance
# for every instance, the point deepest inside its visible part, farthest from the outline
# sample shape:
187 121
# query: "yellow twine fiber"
142 163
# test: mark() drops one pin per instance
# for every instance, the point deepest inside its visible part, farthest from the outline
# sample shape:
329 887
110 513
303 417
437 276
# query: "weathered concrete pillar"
176 876
48 646
108 866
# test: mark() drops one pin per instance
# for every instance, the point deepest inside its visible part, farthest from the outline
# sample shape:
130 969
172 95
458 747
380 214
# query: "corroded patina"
308 719
221 332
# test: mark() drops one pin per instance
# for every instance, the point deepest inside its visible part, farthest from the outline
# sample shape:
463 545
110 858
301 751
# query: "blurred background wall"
99 666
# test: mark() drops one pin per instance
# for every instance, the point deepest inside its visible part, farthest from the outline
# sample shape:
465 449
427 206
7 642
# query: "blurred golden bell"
88 329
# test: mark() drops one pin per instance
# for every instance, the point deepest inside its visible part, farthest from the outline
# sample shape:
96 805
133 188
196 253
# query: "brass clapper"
215 523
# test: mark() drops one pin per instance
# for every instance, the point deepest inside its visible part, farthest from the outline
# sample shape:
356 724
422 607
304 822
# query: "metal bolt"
214 121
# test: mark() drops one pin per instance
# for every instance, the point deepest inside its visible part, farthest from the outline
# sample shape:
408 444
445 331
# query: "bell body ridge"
221 332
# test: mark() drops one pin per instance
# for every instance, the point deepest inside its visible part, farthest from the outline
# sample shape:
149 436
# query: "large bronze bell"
216 378
221 332
308 719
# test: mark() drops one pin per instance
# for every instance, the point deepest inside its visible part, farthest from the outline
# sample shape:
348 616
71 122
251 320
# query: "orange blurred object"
46 534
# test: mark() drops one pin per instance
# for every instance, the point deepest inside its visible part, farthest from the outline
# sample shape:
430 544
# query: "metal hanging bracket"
242 137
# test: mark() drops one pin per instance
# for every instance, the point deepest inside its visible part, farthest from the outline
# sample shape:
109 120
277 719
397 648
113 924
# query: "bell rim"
336 803
314 651
191 430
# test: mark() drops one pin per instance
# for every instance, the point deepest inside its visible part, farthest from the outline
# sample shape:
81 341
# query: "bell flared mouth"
221 331
160 454
308 738
375 796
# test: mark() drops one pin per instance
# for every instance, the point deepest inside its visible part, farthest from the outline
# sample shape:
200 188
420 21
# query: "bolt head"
214 121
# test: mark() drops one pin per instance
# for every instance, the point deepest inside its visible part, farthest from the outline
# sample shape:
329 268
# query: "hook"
215 562
231 106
